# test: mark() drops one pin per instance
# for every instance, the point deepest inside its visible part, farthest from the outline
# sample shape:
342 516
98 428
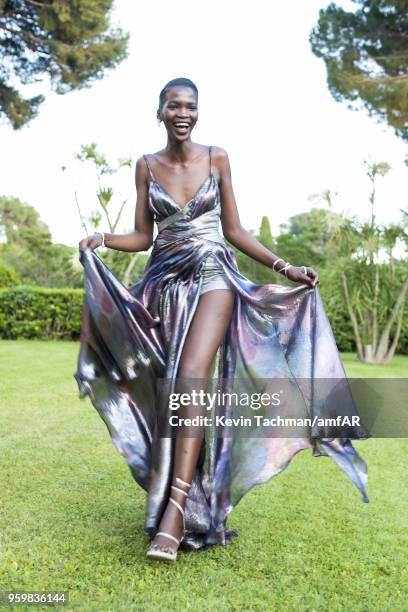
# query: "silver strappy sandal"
155 551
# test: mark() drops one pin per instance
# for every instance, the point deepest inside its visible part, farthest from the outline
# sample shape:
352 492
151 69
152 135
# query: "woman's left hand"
297 274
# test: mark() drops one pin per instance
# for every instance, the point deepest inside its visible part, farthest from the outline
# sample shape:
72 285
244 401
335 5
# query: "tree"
373 284
71 41
125 265
265 234
8 276
26 247
312 230
366 57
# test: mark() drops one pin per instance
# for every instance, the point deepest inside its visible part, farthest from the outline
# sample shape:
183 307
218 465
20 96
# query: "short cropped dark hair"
173 83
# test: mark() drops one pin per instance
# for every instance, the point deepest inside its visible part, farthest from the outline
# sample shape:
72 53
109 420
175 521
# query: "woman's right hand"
91 242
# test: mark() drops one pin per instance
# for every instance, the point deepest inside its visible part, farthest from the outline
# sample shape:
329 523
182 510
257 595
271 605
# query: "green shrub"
8 276
32 312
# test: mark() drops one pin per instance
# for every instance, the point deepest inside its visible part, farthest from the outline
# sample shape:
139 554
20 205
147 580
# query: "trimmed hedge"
32 312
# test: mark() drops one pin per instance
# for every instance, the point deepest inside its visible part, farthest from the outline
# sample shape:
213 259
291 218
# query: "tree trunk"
375 309
128 271
393 347
382 348
109 258
368 353
359 344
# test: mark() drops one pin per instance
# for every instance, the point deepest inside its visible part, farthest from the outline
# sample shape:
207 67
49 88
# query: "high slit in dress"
132 339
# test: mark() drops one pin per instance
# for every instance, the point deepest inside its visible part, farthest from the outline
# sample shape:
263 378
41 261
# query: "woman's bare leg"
206 333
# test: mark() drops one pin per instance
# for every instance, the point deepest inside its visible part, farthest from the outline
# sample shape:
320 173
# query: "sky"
262 96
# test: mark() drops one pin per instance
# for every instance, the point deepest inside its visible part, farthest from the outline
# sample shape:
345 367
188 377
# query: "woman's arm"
142 238
239 237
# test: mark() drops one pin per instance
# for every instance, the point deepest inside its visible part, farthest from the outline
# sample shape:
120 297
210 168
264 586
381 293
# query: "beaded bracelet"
275 262
284 268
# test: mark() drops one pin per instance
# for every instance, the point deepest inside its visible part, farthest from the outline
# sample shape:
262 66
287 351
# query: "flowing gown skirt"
132 339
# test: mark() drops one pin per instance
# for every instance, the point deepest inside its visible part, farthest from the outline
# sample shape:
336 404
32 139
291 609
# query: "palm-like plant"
374 283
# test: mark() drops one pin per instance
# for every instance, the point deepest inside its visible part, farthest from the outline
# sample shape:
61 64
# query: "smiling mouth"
181 127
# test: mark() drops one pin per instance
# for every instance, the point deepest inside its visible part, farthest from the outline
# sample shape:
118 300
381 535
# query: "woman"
192 308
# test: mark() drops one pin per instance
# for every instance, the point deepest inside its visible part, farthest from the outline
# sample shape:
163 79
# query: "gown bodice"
200 217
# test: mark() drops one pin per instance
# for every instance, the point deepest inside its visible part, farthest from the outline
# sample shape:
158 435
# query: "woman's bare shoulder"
141 170
141 162
220 161
218 152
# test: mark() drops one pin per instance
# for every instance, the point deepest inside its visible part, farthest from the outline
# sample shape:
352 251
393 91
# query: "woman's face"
180 112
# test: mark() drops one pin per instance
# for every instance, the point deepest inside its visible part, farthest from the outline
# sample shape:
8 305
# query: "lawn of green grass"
398 368
72 517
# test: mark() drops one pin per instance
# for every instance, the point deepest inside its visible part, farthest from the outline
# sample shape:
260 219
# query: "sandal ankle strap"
177 504
180 509
180 481
173 501
168 535
179 490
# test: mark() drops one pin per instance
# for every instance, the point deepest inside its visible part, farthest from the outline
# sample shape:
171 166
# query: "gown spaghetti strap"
132 339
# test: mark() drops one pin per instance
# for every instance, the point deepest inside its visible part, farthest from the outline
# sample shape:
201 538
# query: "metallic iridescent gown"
131 338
